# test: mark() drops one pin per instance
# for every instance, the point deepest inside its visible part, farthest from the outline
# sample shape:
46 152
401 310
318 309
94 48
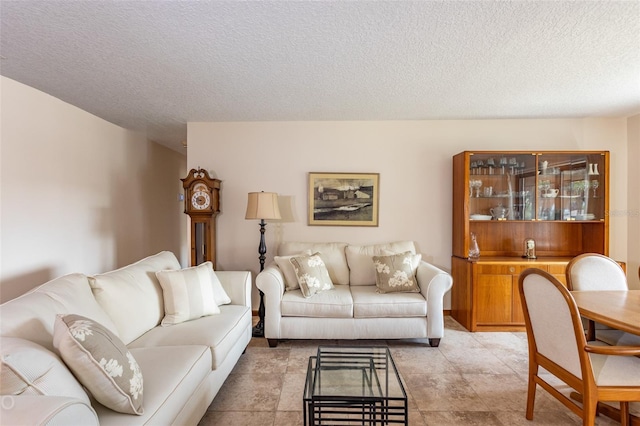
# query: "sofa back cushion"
132 295
360 259
332 254
32 315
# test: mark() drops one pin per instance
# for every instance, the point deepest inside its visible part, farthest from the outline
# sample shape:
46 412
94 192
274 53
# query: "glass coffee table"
353 386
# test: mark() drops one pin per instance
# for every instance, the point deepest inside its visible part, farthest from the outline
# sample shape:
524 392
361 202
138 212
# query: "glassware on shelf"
474 250
544 186
474 184
595 184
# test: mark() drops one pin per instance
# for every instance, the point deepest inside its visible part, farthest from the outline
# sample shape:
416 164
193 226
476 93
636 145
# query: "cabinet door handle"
512 269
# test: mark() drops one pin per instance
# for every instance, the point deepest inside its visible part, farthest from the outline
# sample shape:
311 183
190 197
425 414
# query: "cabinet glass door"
502 186
571 187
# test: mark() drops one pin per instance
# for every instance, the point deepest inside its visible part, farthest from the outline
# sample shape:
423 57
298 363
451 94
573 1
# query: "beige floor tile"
288 418
477 360
460 418
240 418
470 379
510 395
292 392
263 360
249 392
443 392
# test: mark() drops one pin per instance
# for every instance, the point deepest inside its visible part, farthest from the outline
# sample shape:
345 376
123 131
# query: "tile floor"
470 379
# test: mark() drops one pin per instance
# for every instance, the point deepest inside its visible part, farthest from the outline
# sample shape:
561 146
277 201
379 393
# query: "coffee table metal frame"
353 385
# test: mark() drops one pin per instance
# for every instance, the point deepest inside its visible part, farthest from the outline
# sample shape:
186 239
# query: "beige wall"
633 259
414 162
79 194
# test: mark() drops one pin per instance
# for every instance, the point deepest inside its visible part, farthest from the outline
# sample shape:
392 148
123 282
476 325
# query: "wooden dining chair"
557 343
596 272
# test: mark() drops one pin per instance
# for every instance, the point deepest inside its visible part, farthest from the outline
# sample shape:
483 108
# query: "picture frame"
343 199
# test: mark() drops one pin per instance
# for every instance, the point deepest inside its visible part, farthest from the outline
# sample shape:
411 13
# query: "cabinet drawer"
557 269
502 269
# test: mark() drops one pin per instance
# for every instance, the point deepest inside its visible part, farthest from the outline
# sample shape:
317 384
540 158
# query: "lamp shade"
262 205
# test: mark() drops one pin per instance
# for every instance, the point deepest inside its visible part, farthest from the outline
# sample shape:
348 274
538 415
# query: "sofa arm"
434 284
237 284
42 410
271 282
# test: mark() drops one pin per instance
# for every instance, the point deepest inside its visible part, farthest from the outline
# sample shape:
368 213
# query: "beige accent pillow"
396 273
190 293
333 256
359 258
312 273
101 362
27 368
290 278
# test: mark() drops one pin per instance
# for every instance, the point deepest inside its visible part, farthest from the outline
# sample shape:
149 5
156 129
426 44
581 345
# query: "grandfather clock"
202 204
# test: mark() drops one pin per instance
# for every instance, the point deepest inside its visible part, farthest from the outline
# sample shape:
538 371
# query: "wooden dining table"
616 309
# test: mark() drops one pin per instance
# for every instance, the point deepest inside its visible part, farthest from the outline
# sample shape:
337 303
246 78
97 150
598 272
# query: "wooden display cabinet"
559 199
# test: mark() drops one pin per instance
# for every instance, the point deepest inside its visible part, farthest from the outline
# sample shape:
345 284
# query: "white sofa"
353 309
183 365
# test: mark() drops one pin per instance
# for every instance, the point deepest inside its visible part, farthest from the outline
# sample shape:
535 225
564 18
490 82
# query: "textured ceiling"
153 66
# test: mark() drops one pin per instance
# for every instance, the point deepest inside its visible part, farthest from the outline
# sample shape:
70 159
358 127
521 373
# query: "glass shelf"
530 186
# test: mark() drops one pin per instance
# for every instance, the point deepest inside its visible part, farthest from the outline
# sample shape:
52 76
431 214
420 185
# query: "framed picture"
344 199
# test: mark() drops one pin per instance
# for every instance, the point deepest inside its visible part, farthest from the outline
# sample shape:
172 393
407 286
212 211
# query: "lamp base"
258 330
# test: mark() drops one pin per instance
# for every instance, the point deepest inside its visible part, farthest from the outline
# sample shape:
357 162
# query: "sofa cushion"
368 303
101 362
27 368
168 385
132 295
290 278
360 259
220 332
189 293
332 254
32 315
312 274
396 273
336 303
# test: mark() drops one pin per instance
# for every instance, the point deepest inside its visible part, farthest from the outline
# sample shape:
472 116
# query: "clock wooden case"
202 204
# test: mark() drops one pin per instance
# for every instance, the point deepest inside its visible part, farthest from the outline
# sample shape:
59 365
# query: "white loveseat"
353 309
183 365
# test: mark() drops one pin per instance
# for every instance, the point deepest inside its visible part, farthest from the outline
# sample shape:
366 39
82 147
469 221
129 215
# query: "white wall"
633 261
414 162
79 194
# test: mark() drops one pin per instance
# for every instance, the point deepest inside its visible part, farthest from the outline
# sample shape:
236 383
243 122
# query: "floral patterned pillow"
313 276
396 273
101 362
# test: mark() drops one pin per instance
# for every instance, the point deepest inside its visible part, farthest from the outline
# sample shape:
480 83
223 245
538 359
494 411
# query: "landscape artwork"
343 199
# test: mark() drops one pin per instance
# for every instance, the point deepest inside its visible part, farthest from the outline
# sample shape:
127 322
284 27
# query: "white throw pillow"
313 276
190 293
27 368
101 362
285 266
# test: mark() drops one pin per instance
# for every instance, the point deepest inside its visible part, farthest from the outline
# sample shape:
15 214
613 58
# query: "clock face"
200 200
